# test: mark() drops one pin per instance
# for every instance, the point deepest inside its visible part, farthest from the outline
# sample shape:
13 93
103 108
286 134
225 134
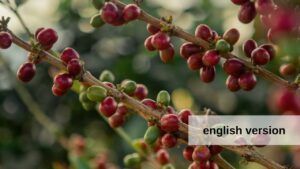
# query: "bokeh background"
26 144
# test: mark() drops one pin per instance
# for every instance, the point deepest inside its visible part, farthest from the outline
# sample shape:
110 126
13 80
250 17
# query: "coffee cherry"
162 156
108 106
215 149
204 32
116 120
271 50
163 98
98 4
207 74
140 145
188 153
194 62
232 83
47 37
122 109
287 69
150 103
96 21
264 7
234 67
119 20
211 58
169 123
148 44
260 56
247 81
141 91
274 36
88 105
222 46
239 2
109 12
26 72
68 54
128 86
170 110
74 67
215 35
109 84
5 40
167 55
199 165
201 153
248 47
168 140
152 29
63 81
168 166
184 115
107 76
96 93
37 32
57 92
151 135
161 41
132 160
131 12
231 36
188 48
247 12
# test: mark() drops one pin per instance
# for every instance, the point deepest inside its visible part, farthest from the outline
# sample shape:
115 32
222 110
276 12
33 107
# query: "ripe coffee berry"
148 44
150 103
215 149
109 84
108 106
184 115
167 55
264 7
37 32
248 47
116 120
109 12
5 40
231 36
211 58
233 67
168 140
162 156
207 73
74 67
57 92
26 72
131 12
170 110
271 50
141 91
260 56
201 153
188 48
204 32
169 123
247 81
47 37
152 29
247 12
161 41
188 153
68 54
194 62
239 2
287 69
122 109
63 81
232 83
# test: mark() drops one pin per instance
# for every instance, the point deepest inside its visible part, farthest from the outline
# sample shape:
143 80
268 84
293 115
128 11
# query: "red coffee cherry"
68 54
170 110
247 81
47 37
231 36
74 67
232 83
247 12
161 41
57 92
109 12
150 103
26 72
148 44
184 115
131 12
168 140
211 58
188 153
109 84
141 91
116 120
194 62
274 36
287 69
188 48
108 106
204 32
248 47
37 32
215 35
119 20
264 7
239 2
122 109
162 156
169 123
167 55
215 149
207 74
152 29
271 50
5 40
234 67
260 56
201 153
63 81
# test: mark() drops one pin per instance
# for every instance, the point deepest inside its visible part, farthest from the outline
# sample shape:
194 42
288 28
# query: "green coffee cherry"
128 86
223 46
98 3
132 160
151 134
163 97
107 76
139 144
96 93
96 21
83 97
168 166
88 105
82 88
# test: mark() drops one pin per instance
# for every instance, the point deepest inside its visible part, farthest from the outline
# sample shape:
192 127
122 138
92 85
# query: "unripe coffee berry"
271 50
108 106
287 69
162 156
234 67
128 86
5 40
247 81
260 56
74 67
63 81
150 103
109 12
232 83
57 92
152 29
188 48
222 46
168 140
107 76
201 153
207 73
248 47
131 12
47 37
204 32
211 58
194 62
26 72
151 135
116 120
167 55
132 160
247 12
168 166
96 21
68 54
169 123
96 93
148 44
163 98
188 152
184 115
161 41
231 36
239 2
141 91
